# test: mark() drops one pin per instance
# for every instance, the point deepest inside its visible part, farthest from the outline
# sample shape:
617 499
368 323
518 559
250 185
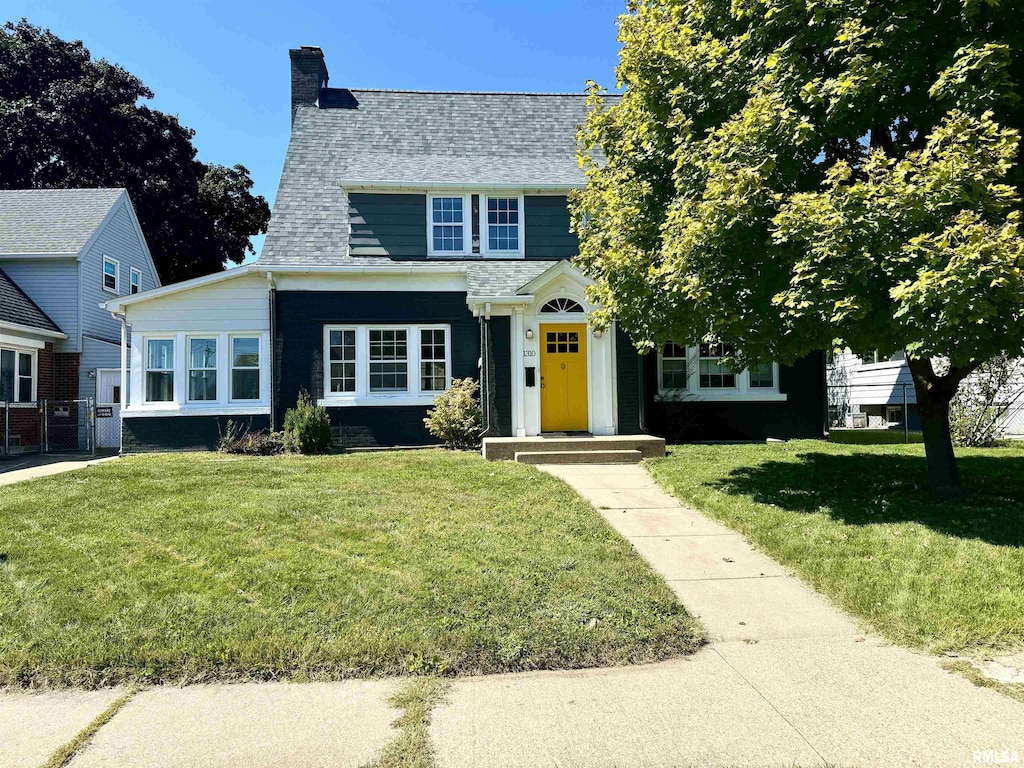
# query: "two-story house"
419 237
63 252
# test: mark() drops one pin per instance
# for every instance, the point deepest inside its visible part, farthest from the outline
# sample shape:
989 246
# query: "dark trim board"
628 363
146 434
801 415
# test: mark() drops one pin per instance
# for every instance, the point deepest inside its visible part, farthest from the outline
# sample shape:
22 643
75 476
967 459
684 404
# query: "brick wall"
65 375
45 372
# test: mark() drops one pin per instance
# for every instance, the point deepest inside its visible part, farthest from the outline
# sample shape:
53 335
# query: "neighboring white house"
872 391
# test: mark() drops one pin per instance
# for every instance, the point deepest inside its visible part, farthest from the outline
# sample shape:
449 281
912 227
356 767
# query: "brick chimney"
309 75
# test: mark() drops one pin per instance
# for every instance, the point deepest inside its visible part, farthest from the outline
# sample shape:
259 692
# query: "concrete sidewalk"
14 469
788 679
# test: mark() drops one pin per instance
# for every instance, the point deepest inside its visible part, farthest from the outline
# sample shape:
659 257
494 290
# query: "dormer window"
448 216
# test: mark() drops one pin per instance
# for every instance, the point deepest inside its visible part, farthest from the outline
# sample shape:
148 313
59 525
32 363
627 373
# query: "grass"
859 525
873 436
412 748
980 679
204 567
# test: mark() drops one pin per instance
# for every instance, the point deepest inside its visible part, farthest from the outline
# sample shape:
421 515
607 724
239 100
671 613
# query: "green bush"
307 429
455 418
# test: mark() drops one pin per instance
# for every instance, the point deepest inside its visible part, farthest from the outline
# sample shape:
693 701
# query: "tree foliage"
67 120
796 176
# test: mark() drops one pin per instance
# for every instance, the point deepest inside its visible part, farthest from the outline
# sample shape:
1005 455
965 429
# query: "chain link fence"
875 407
49 426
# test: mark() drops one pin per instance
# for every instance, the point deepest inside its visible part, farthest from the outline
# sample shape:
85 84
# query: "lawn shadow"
867 488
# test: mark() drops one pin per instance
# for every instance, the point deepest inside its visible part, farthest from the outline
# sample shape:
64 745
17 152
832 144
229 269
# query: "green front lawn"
858 524
200 567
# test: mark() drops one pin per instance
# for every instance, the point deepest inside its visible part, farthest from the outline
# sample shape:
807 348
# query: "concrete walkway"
786 681
17 468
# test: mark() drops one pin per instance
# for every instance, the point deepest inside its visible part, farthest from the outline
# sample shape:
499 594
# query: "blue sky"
222 67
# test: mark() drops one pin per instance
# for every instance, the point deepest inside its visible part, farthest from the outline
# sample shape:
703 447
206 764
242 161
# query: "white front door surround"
561 281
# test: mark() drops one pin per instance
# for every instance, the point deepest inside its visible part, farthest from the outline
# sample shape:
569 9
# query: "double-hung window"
674 371
134 280
381 364
111 270
202 370
761 376
159 370
448 219
16 378
245 368
389 361
503 219
342 358
433 360
713 374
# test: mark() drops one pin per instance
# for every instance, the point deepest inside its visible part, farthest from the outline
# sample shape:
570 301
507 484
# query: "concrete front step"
578 457
506 448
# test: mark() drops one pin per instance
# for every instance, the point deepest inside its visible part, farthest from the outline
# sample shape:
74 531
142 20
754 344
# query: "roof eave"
32 329
358 185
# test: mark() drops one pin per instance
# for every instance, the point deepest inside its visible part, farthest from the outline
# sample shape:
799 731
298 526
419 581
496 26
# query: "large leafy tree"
797 175
67 120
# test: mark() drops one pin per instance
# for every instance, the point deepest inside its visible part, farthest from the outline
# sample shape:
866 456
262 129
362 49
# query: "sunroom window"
159 370
202 369
245 368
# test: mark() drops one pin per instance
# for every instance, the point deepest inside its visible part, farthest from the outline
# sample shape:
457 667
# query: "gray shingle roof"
411 137
16 307
49 221
502 278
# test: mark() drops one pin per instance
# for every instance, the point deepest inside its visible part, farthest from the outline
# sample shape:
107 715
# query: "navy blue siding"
547 228
388 225
180 433
299 318
501 349
802 415
627 383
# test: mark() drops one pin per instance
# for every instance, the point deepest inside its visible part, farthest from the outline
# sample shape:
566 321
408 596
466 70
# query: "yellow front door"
563 378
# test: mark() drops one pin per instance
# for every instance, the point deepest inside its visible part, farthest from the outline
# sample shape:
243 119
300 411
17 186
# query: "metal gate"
69 426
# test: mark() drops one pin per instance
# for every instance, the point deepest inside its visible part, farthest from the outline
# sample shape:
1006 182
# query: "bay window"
159 370
245 368
368 364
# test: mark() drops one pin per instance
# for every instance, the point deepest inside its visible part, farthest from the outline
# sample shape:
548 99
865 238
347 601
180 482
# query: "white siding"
53 285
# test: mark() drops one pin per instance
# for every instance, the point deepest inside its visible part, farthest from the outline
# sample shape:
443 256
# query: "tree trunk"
934 394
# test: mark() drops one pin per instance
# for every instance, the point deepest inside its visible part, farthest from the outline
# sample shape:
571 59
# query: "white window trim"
175 394
467 225
32 353
180 405
362 396
189 368
742 391
134 272
232 367
116 290
485 234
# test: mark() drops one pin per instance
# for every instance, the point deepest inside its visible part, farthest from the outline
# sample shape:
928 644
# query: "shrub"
455 418
984 400
237 438
307 428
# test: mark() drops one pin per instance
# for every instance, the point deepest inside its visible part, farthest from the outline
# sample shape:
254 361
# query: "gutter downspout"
123 395
273 337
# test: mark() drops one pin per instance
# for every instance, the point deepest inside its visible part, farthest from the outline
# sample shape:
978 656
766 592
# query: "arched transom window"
561 305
